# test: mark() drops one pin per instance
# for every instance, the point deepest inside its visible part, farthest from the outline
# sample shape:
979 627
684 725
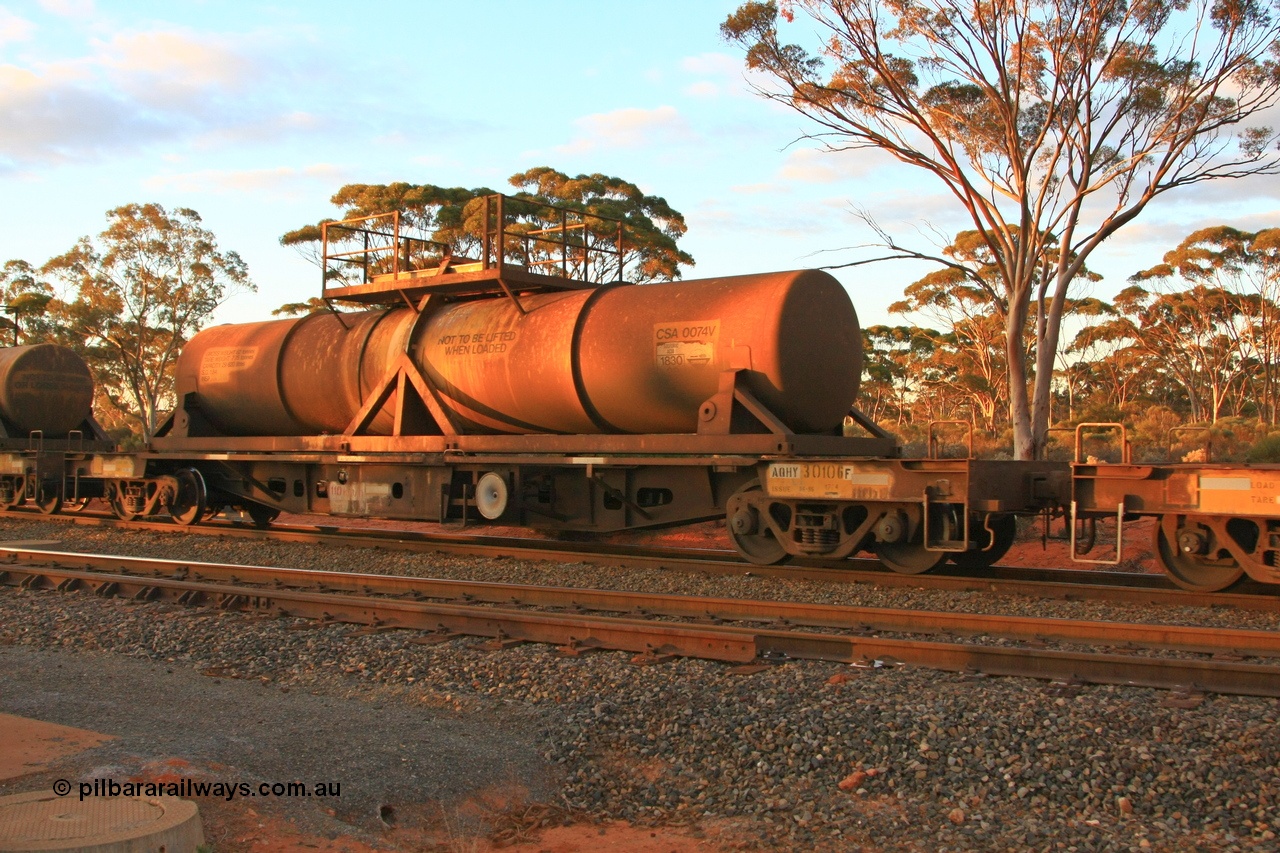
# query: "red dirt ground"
29 746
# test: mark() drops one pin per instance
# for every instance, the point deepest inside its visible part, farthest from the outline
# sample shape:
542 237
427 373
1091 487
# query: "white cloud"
702 89
1226 193
75 9
815 166
766 188
260 128
629 128
863 170
171 65
712 65
56 117
139 89
280 181
437 161
771 221
717 74
14 28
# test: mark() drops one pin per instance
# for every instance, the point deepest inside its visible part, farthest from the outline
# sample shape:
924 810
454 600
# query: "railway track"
1070 584
656 627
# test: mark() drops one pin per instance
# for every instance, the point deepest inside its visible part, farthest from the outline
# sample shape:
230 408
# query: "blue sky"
254 114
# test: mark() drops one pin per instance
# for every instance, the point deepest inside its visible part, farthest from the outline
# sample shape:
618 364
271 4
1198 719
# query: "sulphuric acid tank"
615 359
44 387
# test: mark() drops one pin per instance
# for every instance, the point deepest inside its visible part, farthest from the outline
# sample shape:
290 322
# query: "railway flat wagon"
524 388
509 390
1215 522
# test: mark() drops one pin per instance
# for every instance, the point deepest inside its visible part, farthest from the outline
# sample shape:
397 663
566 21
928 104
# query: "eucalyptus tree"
455 218
894 372
1052 124
1246 264
1195 339
149 282
26 297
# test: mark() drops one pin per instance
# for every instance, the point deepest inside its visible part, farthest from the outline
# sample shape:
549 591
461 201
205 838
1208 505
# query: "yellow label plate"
1241 492
825 480
119 467
13 463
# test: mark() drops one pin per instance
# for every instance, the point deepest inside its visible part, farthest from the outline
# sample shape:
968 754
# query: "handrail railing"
383 249
1208 440
552 244
1126 449
531 235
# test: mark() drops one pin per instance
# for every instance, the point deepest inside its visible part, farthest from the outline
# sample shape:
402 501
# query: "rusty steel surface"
618 359
1200 488
718 642
291 377
683 449
1217 521
44 387
650 355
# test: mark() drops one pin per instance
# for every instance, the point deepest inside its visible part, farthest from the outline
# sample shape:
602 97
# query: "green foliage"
454 218
1186 355
1211 348
1266 449
137 294
314 305
650 226
26 301
1053 125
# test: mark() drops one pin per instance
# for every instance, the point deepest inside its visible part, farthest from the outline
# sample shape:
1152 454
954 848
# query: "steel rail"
1211 640
1125 587
579 631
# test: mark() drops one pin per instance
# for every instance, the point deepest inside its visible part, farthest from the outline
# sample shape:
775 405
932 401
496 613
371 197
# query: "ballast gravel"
802 756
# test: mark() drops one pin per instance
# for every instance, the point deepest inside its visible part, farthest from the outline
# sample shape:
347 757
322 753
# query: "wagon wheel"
1005 527
48 498
910 557
1086 535
188 505
1196 572
117 504
262 515
749 533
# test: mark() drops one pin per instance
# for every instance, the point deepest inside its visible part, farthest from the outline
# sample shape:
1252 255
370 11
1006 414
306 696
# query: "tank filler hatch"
522 246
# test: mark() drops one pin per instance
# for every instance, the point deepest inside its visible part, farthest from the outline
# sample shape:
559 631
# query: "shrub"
1266 449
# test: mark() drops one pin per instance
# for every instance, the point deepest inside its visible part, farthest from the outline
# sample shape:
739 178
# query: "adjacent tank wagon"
49 440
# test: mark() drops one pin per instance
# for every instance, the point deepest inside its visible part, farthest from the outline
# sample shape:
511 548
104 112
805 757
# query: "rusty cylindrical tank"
628 359
292 377
44 387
